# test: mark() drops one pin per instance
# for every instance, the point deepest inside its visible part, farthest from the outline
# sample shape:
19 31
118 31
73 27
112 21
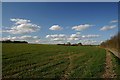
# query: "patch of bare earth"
109 72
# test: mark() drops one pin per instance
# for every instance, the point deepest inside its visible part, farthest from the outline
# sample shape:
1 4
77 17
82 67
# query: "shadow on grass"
116 63
116 58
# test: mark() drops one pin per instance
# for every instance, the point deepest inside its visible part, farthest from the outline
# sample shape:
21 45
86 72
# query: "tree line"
113 42
9 41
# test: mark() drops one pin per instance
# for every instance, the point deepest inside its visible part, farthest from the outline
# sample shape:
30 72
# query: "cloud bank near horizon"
25 26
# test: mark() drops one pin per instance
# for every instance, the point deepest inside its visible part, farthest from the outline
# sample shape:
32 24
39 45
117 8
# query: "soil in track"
69 67
109 72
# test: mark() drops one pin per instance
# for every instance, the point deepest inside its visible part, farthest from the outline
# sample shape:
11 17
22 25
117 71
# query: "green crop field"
52 61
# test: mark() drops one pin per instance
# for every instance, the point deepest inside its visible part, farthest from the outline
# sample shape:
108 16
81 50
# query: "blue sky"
60 1
61 18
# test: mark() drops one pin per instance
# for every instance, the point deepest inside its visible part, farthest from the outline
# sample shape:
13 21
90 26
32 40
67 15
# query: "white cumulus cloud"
81 27
114 21
62 38
22 26
105 28
81 37
20 21
90 42
74 37
56 37
90 36
55 27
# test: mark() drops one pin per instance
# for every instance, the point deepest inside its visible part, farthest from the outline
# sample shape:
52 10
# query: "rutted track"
68 69
109 72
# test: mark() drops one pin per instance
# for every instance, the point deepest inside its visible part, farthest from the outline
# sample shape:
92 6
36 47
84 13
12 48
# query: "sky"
59 22
60 1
